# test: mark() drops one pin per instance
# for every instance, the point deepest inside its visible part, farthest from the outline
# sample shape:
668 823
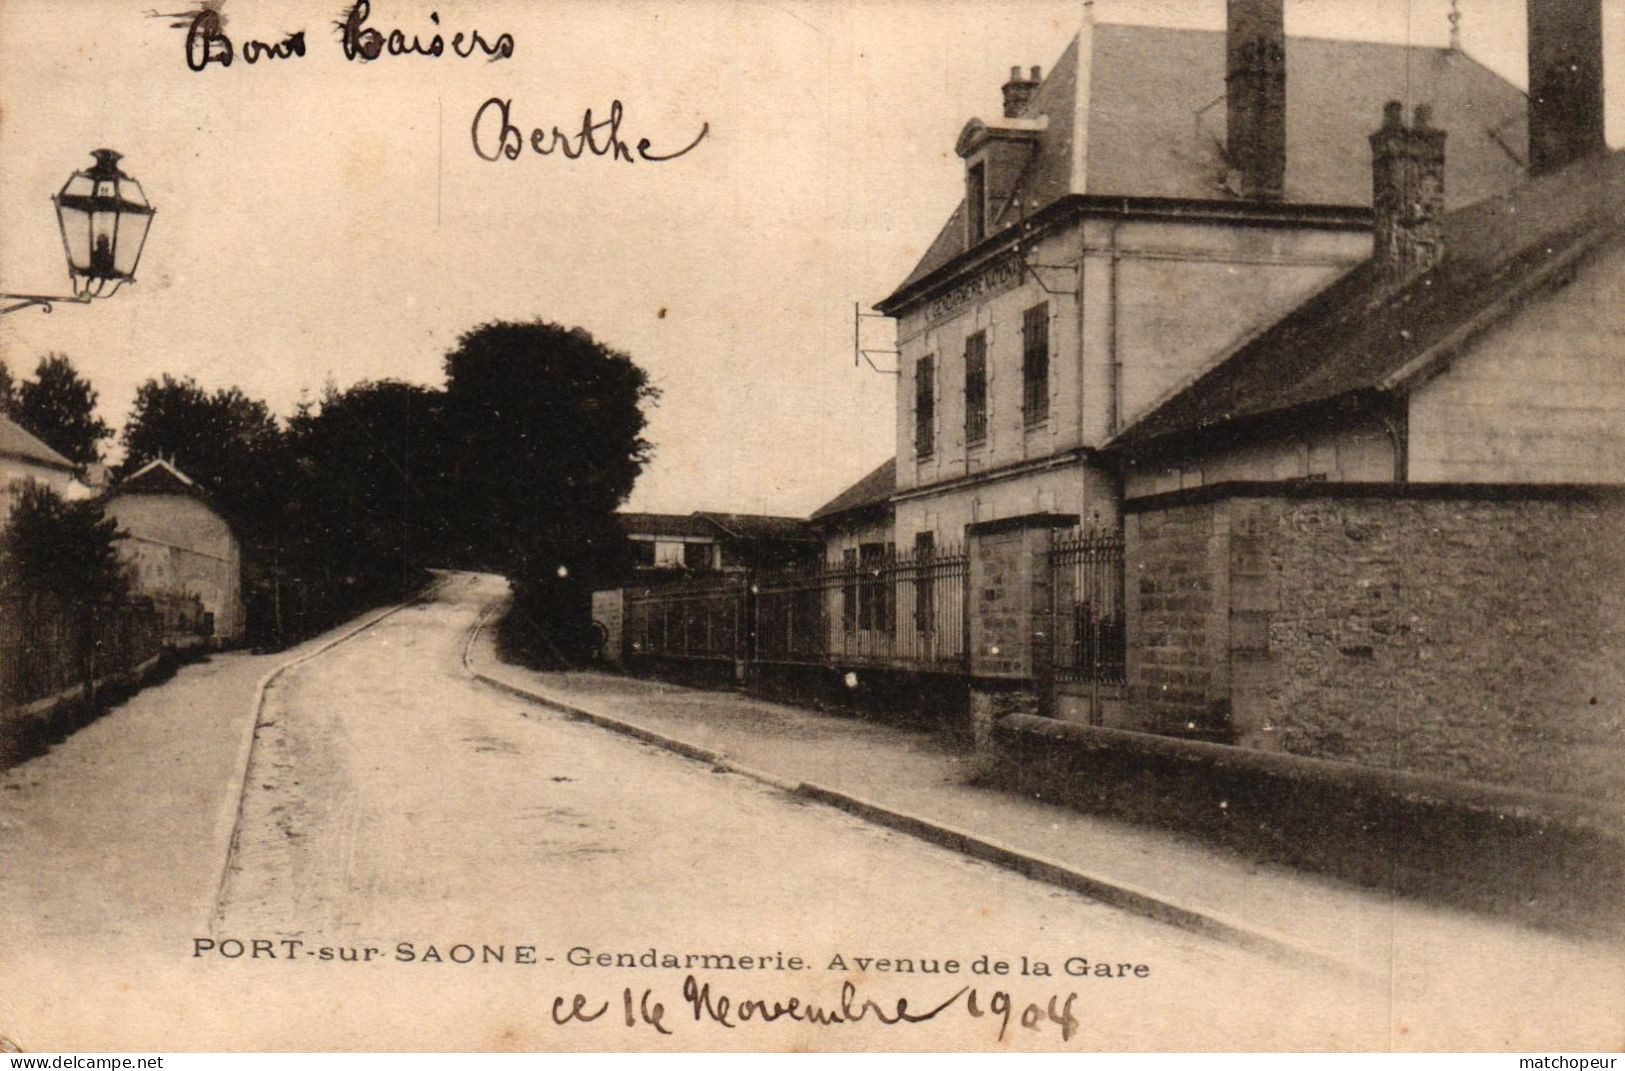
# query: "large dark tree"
546 431
59 406
369 515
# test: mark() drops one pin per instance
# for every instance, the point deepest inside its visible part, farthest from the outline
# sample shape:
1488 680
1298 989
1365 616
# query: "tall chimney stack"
1565 82
1255 96
1018 92
1407 195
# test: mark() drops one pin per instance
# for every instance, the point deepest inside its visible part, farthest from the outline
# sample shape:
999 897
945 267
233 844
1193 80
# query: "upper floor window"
925 407
976 388
975 203
1035 364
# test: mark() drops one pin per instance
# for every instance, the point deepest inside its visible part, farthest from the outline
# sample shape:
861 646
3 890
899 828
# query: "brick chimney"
1018 92
1255 97
1565 82
1407 194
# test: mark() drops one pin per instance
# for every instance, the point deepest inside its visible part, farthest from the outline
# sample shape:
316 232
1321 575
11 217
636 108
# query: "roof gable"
1156 123
17 441
161 477
158 477
875 489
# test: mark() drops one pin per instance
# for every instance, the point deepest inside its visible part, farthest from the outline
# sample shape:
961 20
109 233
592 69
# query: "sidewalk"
916 774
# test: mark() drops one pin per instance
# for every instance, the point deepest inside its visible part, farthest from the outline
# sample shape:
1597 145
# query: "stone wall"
1471 633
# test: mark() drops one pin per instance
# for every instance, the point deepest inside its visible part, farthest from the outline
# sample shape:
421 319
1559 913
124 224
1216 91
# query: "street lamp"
103 215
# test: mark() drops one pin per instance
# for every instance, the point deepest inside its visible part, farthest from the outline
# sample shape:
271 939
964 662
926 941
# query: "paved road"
391 800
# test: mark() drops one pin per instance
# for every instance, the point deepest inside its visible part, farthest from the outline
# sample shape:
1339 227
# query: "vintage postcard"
812 526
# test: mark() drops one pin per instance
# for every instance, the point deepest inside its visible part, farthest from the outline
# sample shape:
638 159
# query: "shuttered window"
976 389
925 407
1035 364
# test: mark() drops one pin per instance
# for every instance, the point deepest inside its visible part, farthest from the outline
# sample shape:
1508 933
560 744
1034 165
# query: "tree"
367 501
65 549
229 443
8 391
60 407
62 553
546 431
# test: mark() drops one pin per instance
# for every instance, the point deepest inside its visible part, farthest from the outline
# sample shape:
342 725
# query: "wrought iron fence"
701 618
1086 569
903 610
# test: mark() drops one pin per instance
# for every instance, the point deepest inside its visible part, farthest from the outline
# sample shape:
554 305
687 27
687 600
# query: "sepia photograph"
812 526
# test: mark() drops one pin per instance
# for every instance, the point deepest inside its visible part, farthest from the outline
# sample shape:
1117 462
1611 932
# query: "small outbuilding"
180 546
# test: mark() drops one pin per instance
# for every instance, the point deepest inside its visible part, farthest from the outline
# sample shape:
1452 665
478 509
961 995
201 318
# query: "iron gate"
1086 570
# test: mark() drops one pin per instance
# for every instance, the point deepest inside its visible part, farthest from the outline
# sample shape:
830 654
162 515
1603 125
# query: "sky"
322 221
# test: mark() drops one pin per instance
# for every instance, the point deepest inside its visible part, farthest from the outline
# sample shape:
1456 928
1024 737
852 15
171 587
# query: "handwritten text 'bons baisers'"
494 137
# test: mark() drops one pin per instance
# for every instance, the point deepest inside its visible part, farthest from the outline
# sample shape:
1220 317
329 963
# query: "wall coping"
1371 780
1025 520
1481 492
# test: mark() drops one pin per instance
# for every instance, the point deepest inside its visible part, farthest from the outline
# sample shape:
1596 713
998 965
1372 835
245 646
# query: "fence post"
742 630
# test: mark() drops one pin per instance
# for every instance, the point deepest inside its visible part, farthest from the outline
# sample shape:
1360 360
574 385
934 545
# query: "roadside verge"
228 826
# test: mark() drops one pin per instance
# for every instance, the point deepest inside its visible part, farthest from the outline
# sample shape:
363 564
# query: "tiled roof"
755 526
160 477
1157 122
18 441
1354 337
873 490
705 525
666 524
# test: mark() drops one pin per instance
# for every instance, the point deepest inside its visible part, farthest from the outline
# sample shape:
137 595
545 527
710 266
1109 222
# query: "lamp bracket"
44 301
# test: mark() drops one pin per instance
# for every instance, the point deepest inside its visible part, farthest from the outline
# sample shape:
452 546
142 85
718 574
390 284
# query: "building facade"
677 544
1387 530
1120 234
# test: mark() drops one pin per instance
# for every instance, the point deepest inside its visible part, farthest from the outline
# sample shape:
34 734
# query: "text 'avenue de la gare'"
493 134
468 952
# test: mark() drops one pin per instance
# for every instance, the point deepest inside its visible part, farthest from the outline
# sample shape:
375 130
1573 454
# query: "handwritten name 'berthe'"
496 137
